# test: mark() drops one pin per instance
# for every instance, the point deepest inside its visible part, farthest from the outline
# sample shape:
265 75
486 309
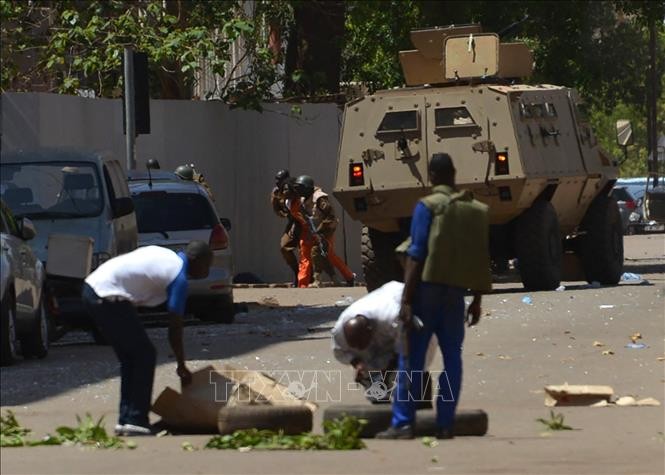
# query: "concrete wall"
238 152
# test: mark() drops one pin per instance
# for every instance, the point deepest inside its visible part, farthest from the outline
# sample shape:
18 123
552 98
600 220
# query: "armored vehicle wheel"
601 247
538 247
377 251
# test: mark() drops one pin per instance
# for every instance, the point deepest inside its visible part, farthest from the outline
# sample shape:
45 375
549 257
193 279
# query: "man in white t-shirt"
367 335
146 277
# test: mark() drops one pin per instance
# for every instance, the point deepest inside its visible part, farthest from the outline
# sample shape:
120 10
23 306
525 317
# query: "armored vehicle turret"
527 151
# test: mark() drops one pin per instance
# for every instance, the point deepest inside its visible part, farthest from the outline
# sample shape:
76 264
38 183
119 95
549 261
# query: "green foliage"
80 45
339 434
11 433
376 31
87 433
555 422
92 433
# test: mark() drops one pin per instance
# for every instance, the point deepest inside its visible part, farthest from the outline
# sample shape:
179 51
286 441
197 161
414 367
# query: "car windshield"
51 189
159 211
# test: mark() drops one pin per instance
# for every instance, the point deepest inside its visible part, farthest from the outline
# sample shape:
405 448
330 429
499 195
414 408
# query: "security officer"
189 173
449 253
147 276
288 243
316 206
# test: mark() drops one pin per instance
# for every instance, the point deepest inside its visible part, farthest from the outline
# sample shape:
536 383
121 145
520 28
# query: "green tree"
79 45
375 32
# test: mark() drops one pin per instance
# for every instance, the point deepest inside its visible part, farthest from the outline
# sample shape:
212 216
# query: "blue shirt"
420 225
177 290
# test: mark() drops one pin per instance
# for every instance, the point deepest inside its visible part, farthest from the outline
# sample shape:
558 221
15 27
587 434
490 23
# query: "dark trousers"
119 323
441 308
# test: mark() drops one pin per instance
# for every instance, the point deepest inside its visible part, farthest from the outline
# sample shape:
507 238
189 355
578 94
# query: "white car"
171 213
22 307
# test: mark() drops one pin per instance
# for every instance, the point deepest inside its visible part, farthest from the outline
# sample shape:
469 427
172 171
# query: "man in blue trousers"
448 255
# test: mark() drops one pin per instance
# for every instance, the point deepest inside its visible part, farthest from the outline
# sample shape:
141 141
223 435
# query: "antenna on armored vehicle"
512 28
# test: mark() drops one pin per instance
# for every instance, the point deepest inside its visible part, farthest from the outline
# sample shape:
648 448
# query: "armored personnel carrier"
527 151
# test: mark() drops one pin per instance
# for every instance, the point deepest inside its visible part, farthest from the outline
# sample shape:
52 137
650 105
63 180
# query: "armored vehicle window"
404 121
537 110
452 117
525 111
550 110
581 113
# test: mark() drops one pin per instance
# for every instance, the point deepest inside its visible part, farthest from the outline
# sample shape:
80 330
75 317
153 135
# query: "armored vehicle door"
391 136
548 136
588 143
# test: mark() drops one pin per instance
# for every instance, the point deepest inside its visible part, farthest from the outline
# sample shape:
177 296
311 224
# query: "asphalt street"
578 335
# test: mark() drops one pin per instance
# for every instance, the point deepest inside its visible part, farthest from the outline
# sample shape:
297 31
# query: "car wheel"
35 344
220 310
8 341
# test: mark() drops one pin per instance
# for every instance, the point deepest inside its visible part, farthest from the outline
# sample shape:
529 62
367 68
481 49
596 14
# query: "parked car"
22 307
627 205
171 213
637 187
71 192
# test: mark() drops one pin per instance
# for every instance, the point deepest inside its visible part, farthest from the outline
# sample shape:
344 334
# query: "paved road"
515 351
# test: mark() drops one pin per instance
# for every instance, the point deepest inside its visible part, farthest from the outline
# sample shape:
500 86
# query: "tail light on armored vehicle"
356 174
501 164
218 238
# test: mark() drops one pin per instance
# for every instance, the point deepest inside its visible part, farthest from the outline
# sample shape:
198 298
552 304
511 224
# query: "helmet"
153 164
281 176
304 185
185 172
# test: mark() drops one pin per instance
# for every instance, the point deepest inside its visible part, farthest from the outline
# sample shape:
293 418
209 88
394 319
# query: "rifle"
323 244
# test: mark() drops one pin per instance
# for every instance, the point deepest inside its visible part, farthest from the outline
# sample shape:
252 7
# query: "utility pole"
130 113
652 122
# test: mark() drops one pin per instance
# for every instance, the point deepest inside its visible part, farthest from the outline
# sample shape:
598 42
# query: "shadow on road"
76 361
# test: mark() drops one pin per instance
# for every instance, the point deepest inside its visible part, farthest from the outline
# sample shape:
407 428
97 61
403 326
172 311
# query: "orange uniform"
318 206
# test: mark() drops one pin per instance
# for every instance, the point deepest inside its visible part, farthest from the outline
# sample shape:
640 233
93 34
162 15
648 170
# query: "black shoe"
445 434
352 281
402 432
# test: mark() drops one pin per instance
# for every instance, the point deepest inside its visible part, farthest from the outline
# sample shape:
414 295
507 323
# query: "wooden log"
467 422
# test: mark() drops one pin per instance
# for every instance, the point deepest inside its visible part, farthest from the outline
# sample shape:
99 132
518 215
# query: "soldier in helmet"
189 173
317 216
185 172
288 243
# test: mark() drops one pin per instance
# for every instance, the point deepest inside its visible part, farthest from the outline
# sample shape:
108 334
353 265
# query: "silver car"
171 213
23 310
